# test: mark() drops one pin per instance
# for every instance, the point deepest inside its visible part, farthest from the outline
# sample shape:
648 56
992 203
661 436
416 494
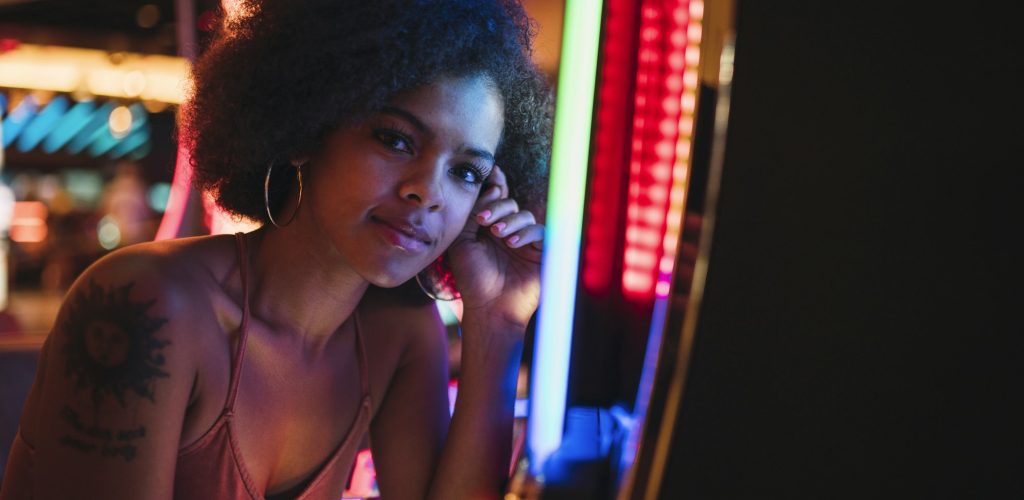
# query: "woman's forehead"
465 105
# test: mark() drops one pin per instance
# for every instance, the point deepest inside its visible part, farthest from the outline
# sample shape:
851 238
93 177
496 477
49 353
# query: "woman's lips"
401 234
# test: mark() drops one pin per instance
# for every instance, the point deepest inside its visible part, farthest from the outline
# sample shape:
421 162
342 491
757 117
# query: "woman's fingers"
487 196
496 211
501 214
497 178
512 223
519 229
494 189
532 235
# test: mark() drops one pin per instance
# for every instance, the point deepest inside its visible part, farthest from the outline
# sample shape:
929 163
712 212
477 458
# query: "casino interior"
786 206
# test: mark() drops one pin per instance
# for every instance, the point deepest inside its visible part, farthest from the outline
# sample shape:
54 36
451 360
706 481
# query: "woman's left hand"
496 258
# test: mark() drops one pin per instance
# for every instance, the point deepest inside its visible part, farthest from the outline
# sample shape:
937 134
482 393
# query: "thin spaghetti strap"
243 330
364 375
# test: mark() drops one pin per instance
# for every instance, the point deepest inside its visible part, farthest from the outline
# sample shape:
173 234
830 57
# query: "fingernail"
512 240
498 228
483 215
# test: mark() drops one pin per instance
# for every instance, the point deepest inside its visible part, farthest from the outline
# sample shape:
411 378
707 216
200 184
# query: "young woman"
370 138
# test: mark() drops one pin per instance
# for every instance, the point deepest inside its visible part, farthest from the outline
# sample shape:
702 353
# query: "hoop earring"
266 196
437 281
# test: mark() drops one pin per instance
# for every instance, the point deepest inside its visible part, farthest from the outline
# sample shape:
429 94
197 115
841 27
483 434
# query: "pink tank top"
212 467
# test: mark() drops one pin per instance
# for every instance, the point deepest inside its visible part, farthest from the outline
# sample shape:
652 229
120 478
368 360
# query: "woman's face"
393 191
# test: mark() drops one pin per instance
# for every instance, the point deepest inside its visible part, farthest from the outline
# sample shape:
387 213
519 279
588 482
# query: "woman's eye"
393 140
469 173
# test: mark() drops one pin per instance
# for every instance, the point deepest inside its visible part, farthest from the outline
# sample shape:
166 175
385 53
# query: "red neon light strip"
604 206
681 169
658 165
174 214
643 215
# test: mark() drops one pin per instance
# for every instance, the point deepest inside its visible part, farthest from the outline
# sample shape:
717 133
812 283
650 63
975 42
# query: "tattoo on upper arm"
106 440
110 346
111 352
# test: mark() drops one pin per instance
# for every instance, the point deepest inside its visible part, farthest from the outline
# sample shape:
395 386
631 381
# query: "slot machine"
794 276
637 127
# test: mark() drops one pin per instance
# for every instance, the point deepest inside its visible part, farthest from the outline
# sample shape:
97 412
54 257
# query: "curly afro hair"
276 80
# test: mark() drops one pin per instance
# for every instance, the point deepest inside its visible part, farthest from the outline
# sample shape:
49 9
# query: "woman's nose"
424 186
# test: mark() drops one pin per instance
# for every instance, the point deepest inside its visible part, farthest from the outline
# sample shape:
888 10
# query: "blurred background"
89 93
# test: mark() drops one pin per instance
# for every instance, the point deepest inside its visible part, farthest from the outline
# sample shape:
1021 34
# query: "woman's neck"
300 285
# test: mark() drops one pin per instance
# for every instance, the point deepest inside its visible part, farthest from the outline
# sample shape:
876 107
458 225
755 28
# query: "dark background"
860 335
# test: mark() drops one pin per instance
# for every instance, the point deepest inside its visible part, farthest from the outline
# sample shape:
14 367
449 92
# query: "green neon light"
569 158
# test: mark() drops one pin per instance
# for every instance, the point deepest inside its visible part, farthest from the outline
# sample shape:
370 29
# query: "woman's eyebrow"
422 127
480 153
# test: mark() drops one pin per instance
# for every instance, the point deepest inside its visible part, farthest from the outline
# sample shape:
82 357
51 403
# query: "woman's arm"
105 413
496 264
411 428
497 269
408 431
475 462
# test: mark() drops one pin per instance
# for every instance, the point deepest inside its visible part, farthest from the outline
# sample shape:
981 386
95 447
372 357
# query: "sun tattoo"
110 346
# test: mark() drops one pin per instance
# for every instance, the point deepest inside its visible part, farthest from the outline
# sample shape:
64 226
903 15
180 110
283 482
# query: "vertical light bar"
647 170
173 222
662 126
570 154
611 140
688 16
6 213
686 43
3 109
177 200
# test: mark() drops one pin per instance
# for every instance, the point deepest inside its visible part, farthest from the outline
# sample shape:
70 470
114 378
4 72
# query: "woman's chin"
390 280
394 272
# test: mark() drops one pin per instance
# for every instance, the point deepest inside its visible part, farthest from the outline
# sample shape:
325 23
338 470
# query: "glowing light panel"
18 119
177 200
665 103
691 13
73 122
43 123
604 206
93 130
570 154
685 105
70 69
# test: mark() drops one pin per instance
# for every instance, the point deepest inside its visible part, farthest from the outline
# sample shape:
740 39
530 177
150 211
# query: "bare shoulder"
125 335
166 281
117 371
171 262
